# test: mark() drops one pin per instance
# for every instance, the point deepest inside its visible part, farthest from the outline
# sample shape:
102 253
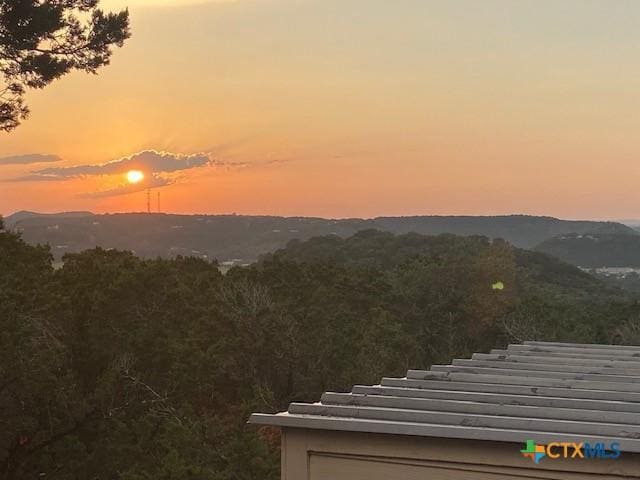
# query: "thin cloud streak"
34 178
29 158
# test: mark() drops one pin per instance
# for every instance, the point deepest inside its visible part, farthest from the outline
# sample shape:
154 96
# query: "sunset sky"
346 108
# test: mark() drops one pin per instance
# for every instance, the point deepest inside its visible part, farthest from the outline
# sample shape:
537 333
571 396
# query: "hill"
595 250
385 251
26 214
238 239
524 231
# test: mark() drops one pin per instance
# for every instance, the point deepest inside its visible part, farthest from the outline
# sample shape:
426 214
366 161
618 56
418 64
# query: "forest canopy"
114 366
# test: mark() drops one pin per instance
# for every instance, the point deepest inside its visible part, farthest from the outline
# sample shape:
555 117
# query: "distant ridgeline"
613 257
595 250
239 239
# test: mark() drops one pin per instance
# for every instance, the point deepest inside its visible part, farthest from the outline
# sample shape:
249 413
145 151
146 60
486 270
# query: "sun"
135 176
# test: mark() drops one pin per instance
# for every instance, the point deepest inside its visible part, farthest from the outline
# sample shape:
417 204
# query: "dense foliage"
115 367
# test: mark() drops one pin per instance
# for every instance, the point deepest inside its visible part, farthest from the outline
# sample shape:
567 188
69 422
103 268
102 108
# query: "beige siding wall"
322 455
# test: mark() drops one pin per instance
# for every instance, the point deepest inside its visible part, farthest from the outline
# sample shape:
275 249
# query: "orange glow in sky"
343 108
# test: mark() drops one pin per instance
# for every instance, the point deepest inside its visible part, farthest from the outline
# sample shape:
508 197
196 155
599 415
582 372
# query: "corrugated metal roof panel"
538 390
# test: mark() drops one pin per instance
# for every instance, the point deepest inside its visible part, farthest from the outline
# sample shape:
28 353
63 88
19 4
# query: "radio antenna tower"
148 200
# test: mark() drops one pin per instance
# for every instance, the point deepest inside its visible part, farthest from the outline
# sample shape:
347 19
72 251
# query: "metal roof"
548 392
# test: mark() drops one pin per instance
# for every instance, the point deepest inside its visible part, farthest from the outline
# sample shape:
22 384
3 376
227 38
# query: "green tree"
115 367
39 403
42 40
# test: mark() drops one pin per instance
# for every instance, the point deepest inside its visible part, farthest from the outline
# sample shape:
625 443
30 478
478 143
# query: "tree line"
116 367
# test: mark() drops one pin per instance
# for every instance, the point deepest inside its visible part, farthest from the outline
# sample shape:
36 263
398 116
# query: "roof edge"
287 420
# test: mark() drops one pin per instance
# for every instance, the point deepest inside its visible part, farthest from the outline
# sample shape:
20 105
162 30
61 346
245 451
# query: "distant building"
534 411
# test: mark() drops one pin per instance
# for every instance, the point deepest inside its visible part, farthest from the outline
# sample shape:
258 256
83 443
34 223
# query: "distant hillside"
521 230
242 239
25 214
383 250
595 250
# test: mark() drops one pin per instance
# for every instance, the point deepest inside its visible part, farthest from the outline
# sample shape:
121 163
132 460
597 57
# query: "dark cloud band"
29 158
149 161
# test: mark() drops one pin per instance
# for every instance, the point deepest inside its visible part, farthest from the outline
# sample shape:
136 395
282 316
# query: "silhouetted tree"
41 40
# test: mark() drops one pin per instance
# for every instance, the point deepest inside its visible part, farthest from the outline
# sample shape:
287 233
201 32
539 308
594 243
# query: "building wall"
325 455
